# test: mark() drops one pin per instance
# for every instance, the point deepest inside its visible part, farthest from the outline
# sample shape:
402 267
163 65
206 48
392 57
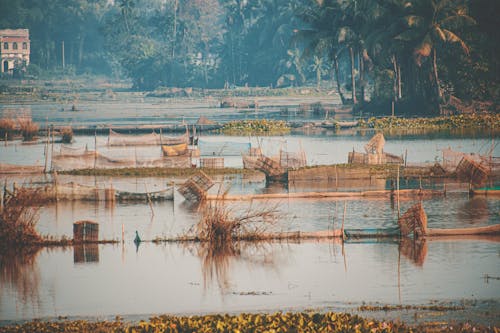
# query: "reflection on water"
20 276
86 253
176 278
414 249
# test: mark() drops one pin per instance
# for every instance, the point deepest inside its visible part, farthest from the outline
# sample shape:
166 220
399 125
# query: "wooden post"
392 108
149 200
397 195
343 218
123 233
95 148
336 178
406 156
46 150
52 146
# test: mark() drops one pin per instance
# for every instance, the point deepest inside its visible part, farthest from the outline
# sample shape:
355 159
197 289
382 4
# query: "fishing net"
196 187
413 222
250 159
292 160
95 160
269 166
118 139
376 144
472 171
223 148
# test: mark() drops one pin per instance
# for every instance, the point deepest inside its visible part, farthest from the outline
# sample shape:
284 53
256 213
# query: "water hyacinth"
459 121
255 127
245 322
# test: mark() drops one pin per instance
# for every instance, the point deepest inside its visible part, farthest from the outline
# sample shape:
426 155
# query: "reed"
19 217
28 128
7 128
220 225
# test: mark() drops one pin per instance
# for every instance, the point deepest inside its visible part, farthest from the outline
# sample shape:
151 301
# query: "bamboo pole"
52 147
343 218
46 150
149 200
397 195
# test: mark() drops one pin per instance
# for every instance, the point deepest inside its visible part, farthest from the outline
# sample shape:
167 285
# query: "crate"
212 162
85 231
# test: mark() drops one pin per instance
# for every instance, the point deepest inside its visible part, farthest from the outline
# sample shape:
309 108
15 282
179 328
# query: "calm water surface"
109 280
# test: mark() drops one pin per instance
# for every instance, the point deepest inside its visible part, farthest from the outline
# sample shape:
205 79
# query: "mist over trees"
406 51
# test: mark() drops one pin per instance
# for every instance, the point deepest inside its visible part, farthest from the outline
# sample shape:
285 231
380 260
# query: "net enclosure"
119 139
223 148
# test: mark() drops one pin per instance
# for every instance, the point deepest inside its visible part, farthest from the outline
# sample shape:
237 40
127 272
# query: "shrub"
29 129
67 134
19 217
7 127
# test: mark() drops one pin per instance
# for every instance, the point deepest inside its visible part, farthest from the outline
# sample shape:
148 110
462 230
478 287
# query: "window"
14 46
5 46
25 46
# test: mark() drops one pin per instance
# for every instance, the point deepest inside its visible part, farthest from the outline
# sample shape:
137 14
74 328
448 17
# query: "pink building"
14 49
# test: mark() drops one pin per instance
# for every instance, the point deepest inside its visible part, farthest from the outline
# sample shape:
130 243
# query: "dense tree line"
413 52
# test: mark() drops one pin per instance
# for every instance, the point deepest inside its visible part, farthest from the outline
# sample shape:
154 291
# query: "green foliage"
255 127
459 121
245 322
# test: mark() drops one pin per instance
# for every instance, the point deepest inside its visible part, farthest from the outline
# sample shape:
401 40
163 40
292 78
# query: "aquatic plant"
472 120
220 226
245 322
28 128
255 127
7 127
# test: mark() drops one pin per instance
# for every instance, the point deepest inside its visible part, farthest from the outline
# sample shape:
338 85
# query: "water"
178 279
107 280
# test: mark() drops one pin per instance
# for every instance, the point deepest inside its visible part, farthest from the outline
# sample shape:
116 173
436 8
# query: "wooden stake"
343 218
149 200
397 195
123 233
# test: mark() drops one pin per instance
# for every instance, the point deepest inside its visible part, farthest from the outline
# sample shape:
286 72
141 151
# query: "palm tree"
428 25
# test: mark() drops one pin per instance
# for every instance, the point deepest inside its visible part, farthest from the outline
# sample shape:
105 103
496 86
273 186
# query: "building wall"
14 49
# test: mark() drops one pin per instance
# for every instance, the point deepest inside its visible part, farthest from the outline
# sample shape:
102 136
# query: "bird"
137 239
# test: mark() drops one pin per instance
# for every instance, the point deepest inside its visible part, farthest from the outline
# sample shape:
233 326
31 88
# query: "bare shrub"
67 134
29 129
220 226
19 217
7 127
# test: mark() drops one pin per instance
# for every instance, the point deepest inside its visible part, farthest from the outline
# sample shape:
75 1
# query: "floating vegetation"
255 127
245 322
459 121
